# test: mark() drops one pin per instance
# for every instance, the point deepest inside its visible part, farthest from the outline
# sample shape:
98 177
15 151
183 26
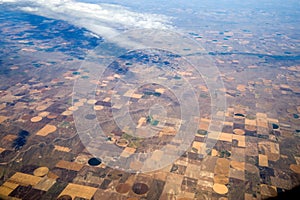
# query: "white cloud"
29 9
103 19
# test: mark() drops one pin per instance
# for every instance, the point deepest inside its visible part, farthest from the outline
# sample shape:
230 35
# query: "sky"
106 20
109 18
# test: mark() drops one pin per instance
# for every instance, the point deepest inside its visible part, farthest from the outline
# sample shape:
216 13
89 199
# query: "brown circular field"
140 188
91 101
36 119
73 108
78 104
122 143
83 100
41 107
98 107
41 171
51 116
44 114
67 112
251 168
220 188
239 131
250 128
123 188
